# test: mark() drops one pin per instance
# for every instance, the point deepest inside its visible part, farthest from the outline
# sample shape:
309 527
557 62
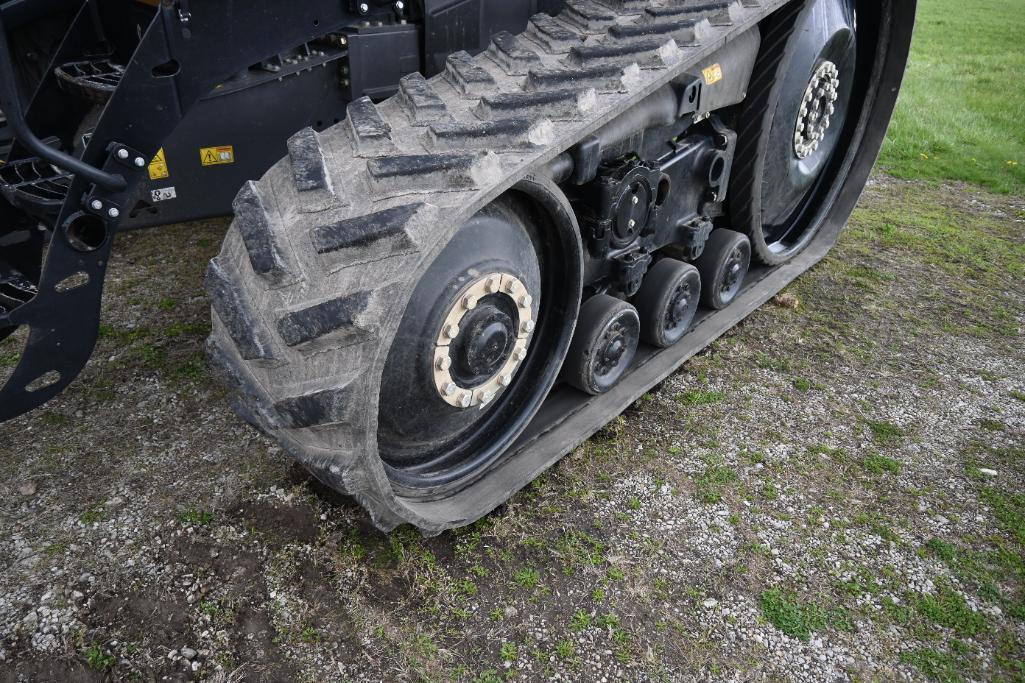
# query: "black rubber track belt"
325 250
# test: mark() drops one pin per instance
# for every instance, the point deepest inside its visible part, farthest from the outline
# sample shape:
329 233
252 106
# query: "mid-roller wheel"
723 265
667 301
604 344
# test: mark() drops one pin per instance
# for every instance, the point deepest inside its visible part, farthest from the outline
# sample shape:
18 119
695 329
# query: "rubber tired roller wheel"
792 124
667 301
723 265
604 344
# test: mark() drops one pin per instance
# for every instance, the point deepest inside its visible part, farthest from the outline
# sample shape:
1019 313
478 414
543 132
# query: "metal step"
34 186
93 79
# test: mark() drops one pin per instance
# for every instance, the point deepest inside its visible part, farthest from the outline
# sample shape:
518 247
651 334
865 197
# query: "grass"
962 105
798 618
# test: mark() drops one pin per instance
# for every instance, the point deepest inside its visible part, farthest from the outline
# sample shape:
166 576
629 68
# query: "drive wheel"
792 124
723 265
604 344
477 349
667 302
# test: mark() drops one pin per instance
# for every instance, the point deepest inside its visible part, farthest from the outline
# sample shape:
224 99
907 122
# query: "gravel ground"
834 490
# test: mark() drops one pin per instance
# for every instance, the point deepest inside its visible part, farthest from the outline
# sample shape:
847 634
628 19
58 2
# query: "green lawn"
962 111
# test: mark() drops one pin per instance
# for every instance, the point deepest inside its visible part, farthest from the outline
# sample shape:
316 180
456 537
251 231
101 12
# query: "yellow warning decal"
214 156
713 74
158 167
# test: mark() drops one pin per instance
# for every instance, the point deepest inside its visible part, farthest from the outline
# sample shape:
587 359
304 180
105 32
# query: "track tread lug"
421 102
724 13
256 225
511 54
553 35
369 129
559 105
471 79
440 171
237 315
498 134
322 407
338 317
377 234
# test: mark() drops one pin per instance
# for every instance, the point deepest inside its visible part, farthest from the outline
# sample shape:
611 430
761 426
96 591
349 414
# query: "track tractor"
481 228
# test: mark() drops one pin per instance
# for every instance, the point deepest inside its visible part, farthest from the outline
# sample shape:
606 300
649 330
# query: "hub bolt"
512 287
113 213
505 380
444 363
122 153
451 330
450 389
96 205
466 399
636 200
527 326
469 302
140 162
519 355
493 284
526 300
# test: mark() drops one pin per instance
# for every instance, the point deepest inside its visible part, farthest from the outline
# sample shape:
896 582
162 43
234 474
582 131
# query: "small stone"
28 488
988 472
787 301
710 603
188 653
510 612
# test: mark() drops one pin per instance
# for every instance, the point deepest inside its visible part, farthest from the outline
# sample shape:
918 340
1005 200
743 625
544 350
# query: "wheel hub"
817 109
483 340
613 349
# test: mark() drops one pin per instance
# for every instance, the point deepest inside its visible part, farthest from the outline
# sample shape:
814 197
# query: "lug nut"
122 153
450 389
484 397
527 326
512 287
505 380
96 205
519 355
140 162
444 363
526 300
469 302
399 6
493 284
113 213
636 200
466 399
451 330
364 8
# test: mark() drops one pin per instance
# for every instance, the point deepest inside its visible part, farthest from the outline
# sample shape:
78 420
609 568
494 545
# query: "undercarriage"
433 299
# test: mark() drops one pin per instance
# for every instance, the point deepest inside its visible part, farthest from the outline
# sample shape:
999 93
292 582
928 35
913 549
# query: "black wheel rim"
816 93
428 446
614 350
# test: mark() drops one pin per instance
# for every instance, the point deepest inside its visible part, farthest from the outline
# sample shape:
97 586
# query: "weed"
798 619
884 432
97 659
936 665
528 578
196 517
581 620
697 397
509 652
880 464
948 608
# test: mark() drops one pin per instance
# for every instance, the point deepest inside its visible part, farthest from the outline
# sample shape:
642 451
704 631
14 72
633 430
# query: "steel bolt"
122 153
450 389
492 285
466 399
451 330
527 326
96 205
631 224
636 200
512 287
444 363
526 300
505 380
519 354
364 8
469 302
140 162
399 6
113 212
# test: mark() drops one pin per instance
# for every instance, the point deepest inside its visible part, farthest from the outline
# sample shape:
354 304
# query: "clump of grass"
527 578
797 618
876 463
509 652
697 397
196 517
98 660
884 432
948 608
934 664
713 481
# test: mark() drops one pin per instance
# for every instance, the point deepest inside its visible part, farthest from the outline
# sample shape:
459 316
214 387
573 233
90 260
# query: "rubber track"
325 250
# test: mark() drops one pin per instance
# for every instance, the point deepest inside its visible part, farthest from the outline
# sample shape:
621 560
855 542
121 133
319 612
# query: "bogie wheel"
792 124
478 347
667 301
723 265
604 344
